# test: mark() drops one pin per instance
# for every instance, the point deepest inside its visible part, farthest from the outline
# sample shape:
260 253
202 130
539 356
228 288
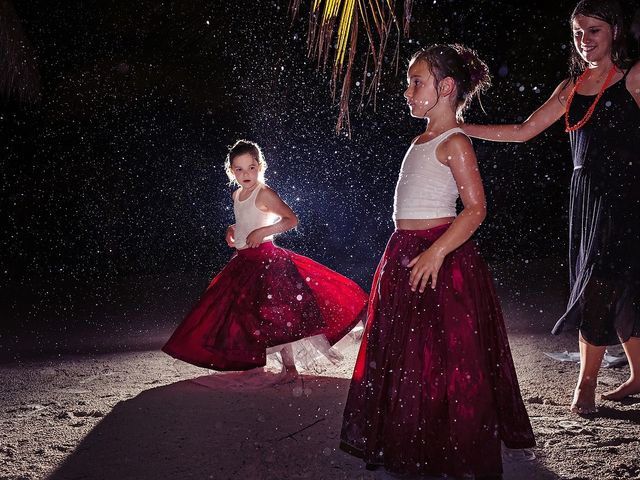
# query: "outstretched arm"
539 121
269 201
461 159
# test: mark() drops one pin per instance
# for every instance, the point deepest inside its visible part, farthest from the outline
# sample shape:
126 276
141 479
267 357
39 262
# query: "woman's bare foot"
584 400
630 387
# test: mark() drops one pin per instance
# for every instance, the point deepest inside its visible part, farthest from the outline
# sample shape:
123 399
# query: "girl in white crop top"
434 390
266 299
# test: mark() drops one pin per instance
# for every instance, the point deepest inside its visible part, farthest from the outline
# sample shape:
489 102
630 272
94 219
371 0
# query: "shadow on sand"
230 426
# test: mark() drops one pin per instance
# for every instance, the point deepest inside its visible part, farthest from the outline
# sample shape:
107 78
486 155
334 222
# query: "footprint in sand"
572 427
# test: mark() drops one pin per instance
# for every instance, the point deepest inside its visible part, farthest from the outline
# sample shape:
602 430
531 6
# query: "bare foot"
287 375
584 400
630 387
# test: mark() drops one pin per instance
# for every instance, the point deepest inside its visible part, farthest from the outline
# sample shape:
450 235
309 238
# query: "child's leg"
289 365
632 385
584 397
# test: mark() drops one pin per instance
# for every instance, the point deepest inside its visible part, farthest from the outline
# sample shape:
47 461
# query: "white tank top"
249 217
426 188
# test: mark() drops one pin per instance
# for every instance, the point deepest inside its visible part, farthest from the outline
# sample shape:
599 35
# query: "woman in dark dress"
600 105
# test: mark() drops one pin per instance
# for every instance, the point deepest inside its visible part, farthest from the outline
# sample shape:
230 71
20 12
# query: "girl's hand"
230 236
255 238
425 266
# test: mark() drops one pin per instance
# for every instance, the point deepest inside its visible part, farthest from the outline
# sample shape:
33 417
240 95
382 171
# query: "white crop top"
249 217
426 188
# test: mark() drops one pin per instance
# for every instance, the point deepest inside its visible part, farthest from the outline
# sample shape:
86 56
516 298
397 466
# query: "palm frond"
342 19
19 77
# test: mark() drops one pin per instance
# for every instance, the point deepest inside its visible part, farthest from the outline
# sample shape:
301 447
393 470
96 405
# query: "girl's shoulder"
456 140
265 189
456 145
266 192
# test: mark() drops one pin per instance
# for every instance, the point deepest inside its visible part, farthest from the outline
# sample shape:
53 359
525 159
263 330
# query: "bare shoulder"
634 72
562 91
633 81
267 195
455 146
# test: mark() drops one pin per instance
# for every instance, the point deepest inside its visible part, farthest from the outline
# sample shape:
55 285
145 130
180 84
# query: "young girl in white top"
266 297
434 390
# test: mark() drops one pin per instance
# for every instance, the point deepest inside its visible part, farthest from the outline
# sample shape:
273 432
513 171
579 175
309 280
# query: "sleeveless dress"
434 390
604 228
263 298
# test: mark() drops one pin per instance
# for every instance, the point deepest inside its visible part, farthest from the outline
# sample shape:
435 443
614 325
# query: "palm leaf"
339 23
19 77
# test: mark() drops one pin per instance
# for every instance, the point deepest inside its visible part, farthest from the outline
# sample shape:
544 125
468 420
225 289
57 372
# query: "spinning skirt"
434 390
264 297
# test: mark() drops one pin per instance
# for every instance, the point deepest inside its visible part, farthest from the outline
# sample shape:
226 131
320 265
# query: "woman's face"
592 38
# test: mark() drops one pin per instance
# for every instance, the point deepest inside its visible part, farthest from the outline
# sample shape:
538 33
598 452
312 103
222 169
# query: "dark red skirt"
434 390
264 297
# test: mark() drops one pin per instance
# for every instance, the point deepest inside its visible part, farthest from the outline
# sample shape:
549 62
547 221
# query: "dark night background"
114 200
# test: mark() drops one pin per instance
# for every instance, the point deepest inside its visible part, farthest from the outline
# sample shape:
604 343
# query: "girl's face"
245 169
421 93
592 38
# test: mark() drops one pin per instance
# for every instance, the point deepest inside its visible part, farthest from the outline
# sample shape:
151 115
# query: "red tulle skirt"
264 297
434 390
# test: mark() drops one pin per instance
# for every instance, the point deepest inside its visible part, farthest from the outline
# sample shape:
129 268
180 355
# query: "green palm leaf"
338 22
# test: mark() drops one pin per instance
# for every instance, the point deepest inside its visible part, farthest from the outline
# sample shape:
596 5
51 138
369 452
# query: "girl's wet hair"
608 11
242 147
463 65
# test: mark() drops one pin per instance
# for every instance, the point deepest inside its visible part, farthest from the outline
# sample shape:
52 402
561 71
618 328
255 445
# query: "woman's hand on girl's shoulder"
269 201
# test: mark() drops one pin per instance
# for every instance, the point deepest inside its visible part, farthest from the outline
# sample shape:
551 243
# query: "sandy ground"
142 415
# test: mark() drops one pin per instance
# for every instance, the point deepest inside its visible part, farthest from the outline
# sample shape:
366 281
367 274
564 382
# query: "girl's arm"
539 121
230 235
269 201
461 159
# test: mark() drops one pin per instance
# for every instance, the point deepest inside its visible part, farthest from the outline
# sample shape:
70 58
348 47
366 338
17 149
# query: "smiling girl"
266 298
600 105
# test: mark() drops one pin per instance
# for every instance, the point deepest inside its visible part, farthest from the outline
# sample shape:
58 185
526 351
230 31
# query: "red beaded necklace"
587 116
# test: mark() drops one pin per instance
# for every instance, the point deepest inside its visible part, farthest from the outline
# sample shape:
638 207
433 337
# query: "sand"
143 415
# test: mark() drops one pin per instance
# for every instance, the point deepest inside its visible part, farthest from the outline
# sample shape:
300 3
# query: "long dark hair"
460 63
608 11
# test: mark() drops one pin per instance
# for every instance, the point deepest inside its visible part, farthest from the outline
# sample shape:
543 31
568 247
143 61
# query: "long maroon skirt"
434 390
264 297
